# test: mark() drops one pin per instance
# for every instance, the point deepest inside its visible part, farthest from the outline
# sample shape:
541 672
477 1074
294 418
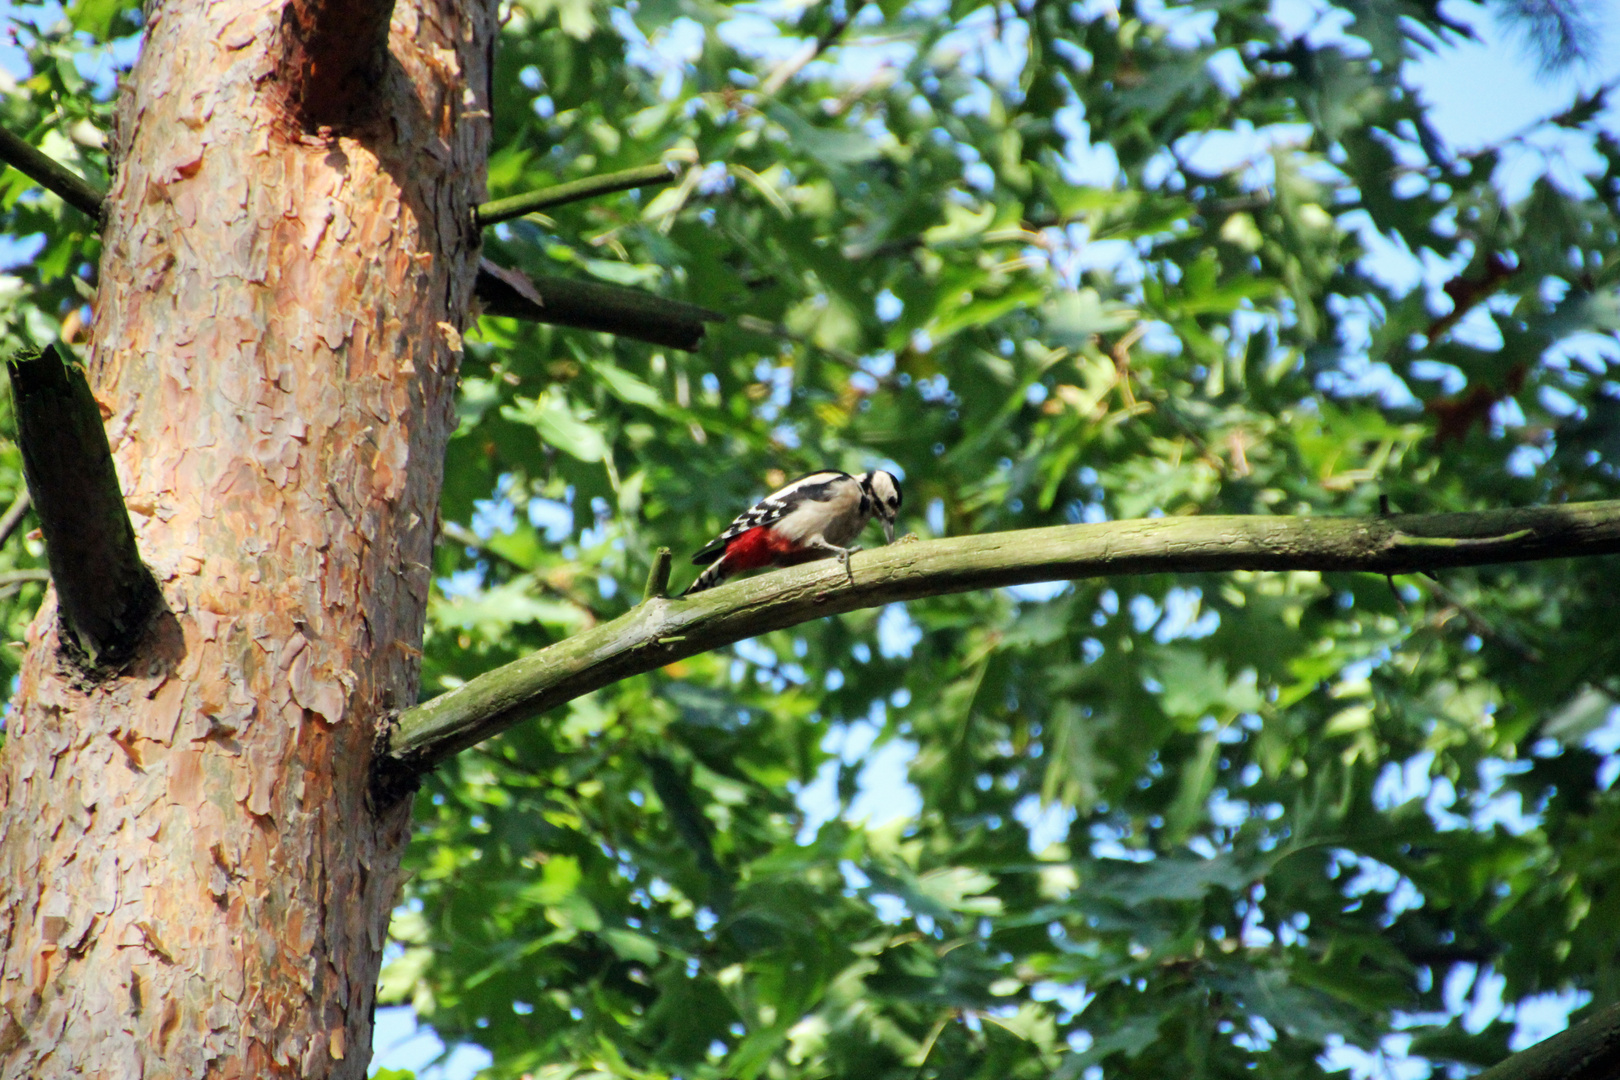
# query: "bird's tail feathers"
713 574
715 549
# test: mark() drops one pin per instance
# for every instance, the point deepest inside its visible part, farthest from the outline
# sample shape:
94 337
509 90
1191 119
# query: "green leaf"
630 945
1173 878
94 17
1073 319
559 424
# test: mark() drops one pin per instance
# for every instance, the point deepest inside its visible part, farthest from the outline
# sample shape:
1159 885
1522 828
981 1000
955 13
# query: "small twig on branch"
498 210
765 328
658 577
74 189
1482 626
589 305
659 632
14 515
105 594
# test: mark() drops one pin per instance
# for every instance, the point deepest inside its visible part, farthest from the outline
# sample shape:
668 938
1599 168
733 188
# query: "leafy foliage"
1049 263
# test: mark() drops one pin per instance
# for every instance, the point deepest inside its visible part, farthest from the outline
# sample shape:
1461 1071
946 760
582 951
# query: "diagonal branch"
1589 1050
812 49
661 631
74 189
584 305
14 515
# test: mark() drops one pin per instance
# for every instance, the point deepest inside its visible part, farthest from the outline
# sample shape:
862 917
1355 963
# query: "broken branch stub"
105 594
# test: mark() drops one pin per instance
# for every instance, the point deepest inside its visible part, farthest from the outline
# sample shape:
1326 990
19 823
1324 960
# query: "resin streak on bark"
191 880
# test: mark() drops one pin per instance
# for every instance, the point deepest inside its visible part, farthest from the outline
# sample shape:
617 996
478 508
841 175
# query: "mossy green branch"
498 210
663 630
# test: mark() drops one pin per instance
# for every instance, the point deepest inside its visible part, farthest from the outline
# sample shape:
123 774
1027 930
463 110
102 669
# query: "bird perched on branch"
814 517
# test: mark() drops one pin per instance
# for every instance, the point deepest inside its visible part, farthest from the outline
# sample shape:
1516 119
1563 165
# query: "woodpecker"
814 517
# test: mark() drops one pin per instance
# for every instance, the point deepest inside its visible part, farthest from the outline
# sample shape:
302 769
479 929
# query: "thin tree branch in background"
454 533
14 515
589 305
662 631
1590 1050
1584 108
105 594
795 63
675 792
451 532
74 189
766 328
1559 33
1482 626
590 187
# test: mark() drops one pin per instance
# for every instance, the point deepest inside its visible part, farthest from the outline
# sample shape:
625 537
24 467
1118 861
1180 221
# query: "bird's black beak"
888 530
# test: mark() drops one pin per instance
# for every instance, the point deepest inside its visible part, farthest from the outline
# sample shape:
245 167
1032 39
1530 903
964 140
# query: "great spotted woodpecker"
814 517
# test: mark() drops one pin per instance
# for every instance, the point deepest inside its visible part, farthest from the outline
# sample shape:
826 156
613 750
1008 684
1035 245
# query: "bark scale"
192 880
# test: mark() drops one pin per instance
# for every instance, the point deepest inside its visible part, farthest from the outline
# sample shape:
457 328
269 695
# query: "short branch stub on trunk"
105 594
588 305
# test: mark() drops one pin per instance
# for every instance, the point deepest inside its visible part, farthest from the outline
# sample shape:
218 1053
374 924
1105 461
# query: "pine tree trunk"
193 880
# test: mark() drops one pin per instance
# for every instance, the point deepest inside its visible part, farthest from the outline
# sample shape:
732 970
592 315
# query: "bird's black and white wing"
814 487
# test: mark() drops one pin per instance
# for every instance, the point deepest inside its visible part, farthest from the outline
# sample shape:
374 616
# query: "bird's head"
884 491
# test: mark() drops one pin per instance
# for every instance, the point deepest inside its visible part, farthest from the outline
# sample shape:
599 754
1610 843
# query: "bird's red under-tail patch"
758 547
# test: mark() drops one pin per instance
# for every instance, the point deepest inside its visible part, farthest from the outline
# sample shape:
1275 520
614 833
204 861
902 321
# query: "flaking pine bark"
192 880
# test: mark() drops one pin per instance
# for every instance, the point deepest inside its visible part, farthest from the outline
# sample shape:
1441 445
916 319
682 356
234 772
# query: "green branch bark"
498 210
661 631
